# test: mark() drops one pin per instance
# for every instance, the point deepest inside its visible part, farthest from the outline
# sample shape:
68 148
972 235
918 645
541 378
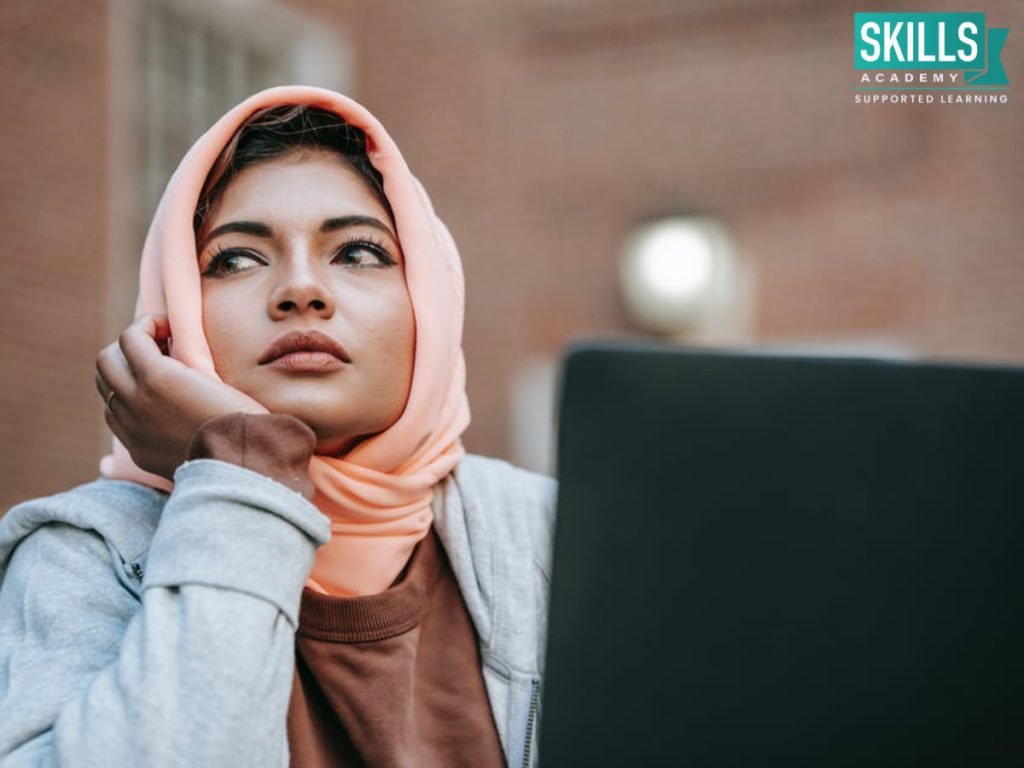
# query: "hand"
159 402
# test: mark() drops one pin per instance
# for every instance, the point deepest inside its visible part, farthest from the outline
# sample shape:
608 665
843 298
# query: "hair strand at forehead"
276 131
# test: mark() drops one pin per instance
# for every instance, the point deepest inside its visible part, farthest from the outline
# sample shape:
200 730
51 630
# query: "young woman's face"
299 243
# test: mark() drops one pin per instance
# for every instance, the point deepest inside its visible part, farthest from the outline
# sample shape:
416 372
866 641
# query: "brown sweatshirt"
392 679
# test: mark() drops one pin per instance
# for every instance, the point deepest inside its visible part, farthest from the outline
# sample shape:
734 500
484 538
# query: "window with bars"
193 73
176 67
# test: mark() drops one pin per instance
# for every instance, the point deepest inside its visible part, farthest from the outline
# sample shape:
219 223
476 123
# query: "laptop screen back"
788 561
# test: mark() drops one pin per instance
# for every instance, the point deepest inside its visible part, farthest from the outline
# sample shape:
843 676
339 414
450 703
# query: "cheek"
385 314
400 360
404 324
219 324
393 331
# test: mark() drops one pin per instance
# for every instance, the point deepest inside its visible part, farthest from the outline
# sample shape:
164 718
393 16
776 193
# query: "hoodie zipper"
531 720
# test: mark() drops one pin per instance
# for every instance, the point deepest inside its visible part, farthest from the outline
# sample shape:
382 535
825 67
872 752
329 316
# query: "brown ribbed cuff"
277 445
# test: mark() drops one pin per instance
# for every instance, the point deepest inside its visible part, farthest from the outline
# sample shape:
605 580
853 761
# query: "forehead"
309 185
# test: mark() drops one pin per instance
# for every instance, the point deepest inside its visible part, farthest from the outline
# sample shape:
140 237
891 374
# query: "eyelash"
376 246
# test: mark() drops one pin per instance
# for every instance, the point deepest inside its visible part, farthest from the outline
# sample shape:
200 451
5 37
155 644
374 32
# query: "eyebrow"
259 229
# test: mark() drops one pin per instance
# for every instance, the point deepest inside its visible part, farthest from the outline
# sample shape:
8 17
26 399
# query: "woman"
289 556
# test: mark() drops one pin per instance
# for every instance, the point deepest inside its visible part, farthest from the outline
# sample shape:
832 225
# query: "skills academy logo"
926 58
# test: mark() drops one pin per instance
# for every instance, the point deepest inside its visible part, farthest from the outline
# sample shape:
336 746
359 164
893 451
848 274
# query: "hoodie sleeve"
194 671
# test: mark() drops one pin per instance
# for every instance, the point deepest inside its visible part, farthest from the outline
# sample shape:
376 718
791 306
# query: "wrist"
277 445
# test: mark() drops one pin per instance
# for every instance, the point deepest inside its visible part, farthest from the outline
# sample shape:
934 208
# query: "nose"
301 290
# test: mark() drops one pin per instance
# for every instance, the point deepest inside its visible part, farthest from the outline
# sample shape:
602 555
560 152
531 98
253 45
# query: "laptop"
788 561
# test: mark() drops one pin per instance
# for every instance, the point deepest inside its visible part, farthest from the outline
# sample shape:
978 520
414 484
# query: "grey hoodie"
139 628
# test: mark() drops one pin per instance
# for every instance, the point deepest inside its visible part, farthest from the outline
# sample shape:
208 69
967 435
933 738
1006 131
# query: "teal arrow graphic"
995 74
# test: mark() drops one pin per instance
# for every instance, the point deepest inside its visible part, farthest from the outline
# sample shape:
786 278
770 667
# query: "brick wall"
53 229
543 130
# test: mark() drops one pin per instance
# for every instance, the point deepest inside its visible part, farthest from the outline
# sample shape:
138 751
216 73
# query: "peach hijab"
378 496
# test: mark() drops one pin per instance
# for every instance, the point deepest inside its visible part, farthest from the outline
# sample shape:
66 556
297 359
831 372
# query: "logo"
925 58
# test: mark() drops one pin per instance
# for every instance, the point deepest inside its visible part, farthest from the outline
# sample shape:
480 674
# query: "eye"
230 261
364 252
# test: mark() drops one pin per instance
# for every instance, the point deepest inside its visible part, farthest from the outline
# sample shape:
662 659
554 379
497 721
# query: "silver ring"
110 397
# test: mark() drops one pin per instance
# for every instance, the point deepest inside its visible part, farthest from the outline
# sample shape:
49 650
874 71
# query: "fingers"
156 326
102 387
112 361
143 341
113 373
115 424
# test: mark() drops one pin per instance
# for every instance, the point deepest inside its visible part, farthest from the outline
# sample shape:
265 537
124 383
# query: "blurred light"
674 259
668 271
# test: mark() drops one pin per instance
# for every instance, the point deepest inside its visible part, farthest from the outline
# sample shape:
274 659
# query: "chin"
310 406
312 415
327 420
308 414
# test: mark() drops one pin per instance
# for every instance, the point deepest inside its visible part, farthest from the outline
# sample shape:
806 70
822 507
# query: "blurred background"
694 171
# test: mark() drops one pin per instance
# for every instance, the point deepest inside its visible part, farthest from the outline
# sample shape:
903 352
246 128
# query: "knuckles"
102 355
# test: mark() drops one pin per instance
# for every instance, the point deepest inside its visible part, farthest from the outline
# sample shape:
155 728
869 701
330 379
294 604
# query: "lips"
303 341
